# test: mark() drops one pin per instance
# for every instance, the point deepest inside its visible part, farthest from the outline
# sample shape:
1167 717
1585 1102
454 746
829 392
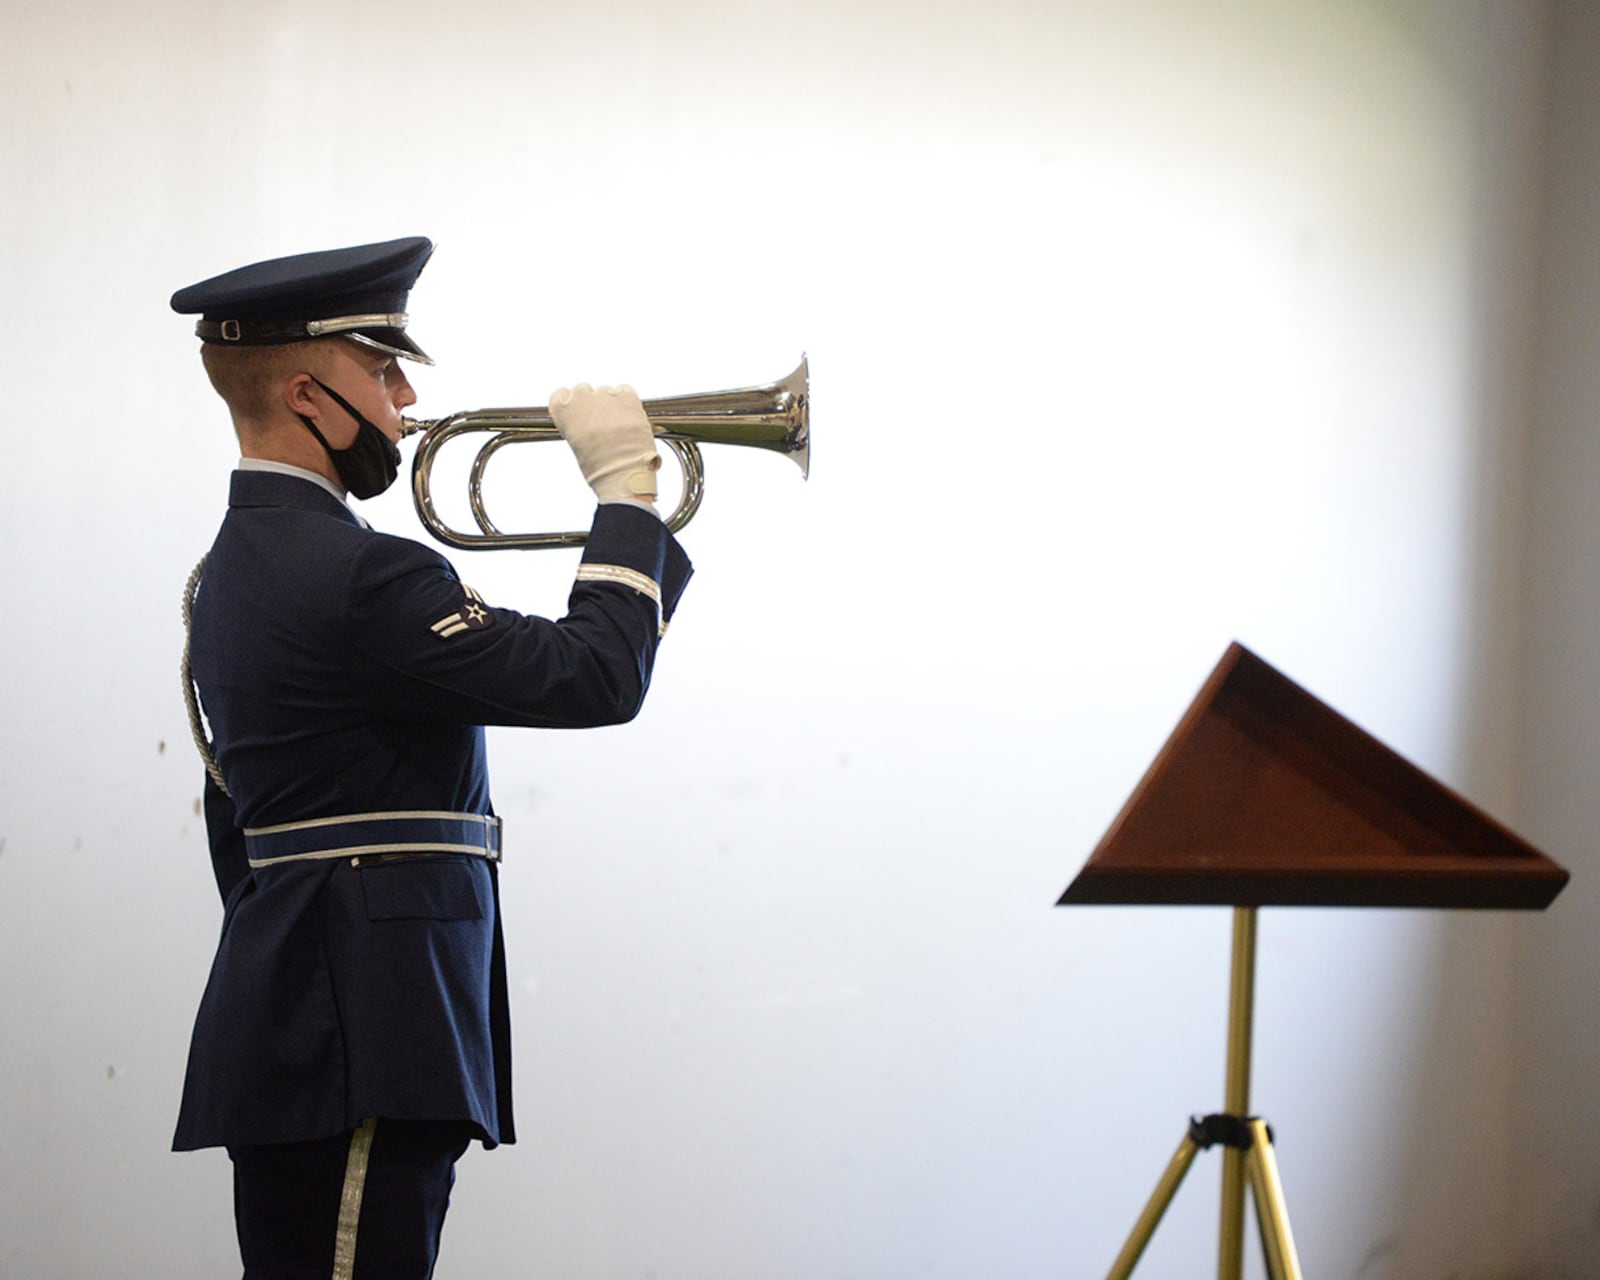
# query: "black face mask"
372 461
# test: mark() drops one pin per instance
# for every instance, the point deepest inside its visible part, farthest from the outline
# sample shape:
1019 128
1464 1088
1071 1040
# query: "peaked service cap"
358 293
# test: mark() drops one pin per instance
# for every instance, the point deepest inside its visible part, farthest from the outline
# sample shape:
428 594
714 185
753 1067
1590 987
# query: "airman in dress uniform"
353 1037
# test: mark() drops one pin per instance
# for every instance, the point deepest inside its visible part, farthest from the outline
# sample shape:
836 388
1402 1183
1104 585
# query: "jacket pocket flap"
422 889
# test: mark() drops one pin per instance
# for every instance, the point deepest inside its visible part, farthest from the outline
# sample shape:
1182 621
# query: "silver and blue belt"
359 835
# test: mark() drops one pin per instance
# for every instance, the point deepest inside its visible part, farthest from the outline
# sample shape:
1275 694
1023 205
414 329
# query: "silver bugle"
775 416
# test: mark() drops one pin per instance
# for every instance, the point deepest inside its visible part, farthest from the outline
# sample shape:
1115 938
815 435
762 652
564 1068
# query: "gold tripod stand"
1265 796
1246 1141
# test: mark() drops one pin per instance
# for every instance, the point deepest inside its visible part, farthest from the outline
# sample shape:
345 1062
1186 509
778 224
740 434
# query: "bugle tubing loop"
774 416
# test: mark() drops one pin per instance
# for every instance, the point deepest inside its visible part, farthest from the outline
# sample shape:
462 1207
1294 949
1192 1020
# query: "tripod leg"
1272 1214
1230 1237
1150 1219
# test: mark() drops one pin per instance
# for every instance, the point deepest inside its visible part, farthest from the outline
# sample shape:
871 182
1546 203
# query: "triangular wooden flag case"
1265 796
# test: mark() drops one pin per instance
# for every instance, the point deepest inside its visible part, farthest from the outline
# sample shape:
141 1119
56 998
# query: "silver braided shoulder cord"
191 698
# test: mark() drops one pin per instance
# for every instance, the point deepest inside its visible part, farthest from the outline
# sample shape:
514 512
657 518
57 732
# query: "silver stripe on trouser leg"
355 1183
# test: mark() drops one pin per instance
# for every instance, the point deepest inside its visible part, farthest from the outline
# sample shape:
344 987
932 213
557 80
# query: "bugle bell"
775 417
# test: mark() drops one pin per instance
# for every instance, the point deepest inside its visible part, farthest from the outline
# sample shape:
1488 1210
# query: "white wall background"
1557 1180
1134 329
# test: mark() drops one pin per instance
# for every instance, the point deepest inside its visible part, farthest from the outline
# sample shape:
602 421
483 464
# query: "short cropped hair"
248 378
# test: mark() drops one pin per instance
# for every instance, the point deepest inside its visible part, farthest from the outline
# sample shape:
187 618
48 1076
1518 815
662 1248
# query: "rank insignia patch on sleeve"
473 615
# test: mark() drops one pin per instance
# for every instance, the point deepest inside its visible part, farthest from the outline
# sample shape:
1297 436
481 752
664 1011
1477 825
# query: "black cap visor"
396 342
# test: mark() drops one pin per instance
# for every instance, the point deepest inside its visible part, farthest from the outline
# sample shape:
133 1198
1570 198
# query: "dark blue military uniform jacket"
345 671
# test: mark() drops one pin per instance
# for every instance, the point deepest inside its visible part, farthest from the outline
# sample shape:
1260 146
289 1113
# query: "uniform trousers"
363 1206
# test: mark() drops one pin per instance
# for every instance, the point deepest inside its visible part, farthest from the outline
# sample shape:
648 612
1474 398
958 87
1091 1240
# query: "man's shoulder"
294 536
299 509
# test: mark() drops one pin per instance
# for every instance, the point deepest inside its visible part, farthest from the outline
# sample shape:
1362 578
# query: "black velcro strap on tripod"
1224 1130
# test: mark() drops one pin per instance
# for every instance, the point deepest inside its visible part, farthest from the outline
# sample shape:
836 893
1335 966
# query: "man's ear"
297 395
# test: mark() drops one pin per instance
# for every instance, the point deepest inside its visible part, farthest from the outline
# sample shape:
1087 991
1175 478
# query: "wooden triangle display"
1264 796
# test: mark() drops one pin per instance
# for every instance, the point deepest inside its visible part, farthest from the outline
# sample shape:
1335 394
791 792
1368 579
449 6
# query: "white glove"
612 439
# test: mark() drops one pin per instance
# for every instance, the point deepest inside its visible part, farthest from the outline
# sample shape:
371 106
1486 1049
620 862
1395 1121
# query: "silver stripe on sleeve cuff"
643 583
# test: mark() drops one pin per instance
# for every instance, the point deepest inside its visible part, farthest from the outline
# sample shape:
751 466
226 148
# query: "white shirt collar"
284 469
